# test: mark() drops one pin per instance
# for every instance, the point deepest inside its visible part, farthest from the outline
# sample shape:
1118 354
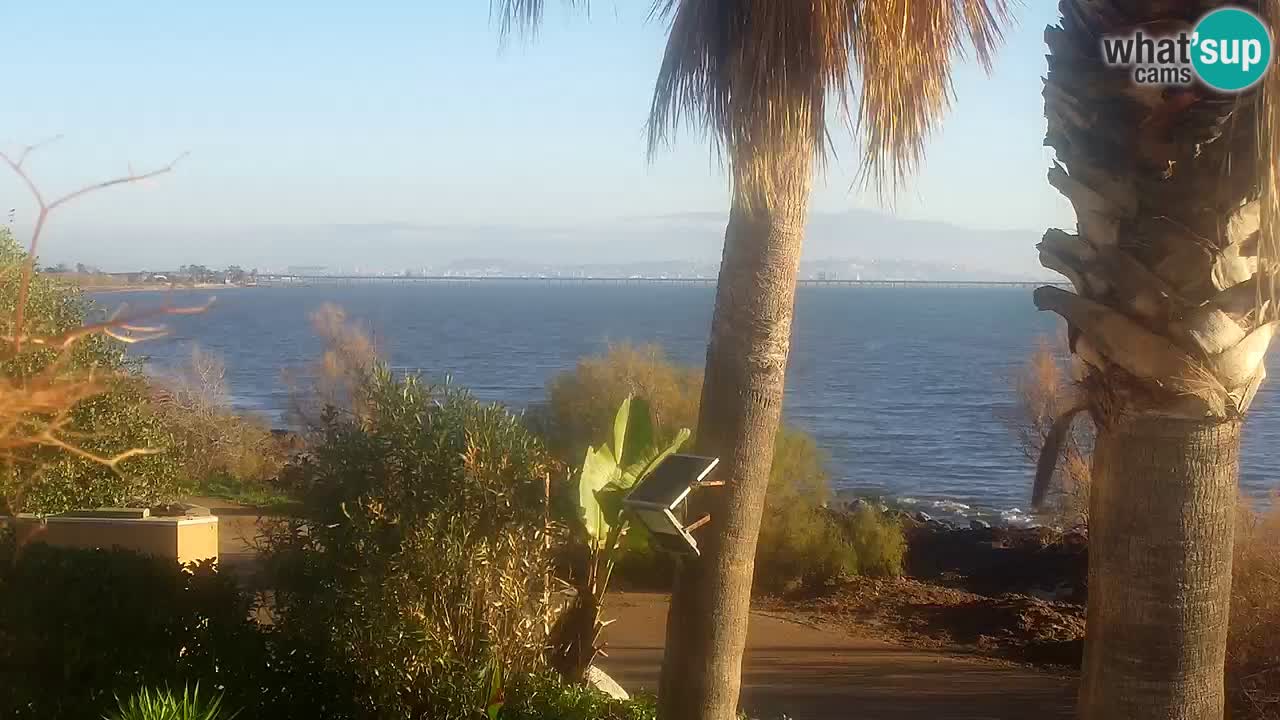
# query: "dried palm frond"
758 74
521 16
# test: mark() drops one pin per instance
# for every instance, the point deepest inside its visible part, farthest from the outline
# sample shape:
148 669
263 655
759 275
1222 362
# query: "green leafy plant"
494 700
609 472
799 543
73 425
422 553
876 540
148 704
223 452
548 697
96 442
82 626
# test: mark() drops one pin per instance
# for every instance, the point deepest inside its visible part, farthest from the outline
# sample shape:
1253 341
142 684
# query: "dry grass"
215 443
334 382
1044 393
1253 647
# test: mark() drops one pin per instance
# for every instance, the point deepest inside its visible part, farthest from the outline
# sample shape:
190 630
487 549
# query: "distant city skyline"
683 239
835 269
406 113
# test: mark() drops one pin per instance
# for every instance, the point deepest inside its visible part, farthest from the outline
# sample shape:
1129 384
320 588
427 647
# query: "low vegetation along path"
792 667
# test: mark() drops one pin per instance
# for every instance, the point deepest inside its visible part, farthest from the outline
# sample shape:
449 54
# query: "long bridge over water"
621 280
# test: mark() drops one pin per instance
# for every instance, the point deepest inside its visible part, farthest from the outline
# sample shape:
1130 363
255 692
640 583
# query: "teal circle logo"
1231 49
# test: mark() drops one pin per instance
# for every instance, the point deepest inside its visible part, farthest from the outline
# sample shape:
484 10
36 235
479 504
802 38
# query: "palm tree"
1170 320
758 74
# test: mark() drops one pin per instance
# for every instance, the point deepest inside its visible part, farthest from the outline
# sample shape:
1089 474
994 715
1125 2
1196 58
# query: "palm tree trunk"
1168 326
739 416
1161 528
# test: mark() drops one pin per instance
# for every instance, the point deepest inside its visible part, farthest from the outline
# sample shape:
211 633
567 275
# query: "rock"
1061 593
979 525
922 517
997 560
601 681
1076 538
902 517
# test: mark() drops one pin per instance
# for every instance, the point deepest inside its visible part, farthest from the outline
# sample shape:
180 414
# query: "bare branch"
16 167
113 462
113 326
37 409
132 177
32 148
24 285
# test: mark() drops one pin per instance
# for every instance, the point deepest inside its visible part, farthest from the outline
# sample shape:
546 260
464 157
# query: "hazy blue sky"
408 112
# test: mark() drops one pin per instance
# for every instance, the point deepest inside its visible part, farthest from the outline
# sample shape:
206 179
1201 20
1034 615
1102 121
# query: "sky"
381 114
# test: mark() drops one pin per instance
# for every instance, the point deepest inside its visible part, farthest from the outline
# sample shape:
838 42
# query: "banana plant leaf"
609 473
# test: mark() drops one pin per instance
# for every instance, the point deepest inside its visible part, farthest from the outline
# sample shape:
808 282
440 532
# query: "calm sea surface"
904 388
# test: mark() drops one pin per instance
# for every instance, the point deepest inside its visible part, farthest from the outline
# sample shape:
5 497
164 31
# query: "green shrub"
147 704
421 552
50 480
798 543
114 418
877 541
79 627
223 453
582 402
547 697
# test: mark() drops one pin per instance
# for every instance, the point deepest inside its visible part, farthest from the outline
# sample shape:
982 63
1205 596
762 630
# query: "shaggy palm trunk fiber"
1162 510
1169 324
739 415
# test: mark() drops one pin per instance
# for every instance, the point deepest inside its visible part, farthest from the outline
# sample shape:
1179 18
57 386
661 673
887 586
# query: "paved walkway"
791 668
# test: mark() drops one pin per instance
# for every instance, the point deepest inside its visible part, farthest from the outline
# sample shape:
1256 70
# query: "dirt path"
237 533
805 671
815 673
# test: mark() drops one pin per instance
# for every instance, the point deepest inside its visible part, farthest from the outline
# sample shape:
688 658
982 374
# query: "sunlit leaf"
599 469
609 473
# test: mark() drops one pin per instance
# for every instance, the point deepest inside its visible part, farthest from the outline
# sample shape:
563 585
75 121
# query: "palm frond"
758 74
522 17
1050 452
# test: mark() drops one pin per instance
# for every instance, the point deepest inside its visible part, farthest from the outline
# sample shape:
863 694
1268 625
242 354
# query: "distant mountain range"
851 244
825 269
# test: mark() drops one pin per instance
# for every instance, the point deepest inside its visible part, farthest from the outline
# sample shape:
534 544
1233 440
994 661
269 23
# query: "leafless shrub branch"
36 410
44 208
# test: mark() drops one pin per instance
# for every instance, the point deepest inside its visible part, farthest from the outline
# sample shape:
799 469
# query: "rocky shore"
1011 593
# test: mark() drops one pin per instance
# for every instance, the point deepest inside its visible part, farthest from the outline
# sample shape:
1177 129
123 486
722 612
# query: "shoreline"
948 512
156 288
